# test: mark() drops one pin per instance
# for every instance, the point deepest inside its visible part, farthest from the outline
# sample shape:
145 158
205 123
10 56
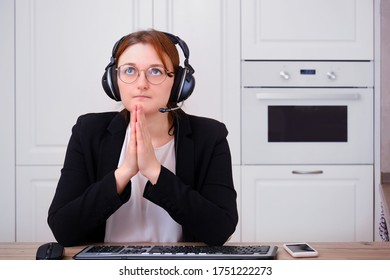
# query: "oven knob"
331 75
285 75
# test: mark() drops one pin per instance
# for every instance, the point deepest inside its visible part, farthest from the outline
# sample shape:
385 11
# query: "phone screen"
300 248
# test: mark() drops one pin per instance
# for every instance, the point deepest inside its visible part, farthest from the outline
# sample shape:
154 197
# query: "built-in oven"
307 112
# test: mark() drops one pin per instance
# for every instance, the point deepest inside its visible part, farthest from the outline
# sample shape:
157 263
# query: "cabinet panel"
280 206
307 29
211 30
182 18
61 56
35 188
7 122
236 237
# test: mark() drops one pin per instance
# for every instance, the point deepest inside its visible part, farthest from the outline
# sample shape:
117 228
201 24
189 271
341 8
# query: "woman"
142 175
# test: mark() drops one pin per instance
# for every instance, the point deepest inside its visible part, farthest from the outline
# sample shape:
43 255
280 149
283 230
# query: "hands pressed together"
140 156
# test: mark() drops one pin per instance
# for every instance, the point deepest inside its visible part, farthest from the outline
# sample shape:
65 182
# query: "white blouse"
140 220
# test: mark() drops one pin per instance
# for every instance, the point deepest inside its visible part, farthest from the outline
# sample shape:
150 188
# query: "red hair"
160 42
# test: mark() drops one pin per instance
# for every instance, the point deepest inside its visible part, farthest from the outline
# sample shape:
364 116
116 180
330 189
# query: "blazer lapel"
112 145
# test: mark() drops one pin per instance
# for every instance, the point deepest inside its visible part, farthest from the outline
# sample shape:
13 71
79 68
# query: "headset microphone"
166 110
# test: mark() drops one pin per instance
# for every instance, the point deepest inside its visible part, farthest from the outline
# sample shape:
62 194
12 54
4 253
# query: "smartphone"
300 250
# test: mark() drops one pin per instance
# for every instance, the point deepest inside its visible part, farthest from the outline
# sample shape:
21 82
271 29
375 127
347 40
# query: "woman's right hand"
129 166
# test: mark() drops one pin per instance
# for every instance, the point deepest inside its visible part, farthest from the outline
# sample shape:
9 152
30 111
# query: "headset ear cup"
114 81
176 88
110 83
109 79
183 85
188 86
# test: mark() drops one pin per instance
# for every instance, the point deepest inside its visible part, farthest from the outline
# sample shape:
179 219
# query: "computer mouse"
50 251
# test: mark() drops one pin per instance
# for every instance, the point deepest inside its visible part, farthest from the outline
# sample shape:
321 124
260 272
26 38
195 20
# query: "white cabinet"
307 29
211 30
60 59
337 204
35 188
236 237
61 52
280 206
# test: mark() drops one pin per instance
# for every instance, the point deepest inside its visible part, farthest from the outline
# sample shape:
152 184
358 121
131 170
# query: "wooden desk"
327 251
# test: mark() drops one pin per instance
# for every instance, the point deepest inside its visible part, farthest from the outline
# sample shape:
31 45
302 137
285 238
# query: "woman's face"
152 97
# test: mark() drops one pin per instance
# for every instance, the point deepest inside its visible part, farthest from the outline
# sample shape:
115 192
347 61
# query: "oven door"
307 125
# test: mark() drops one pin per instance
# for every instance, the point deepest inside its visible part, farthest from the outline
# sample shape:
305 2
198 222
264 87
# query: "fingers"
143 136
144 143
130 162
129 166
133 132
148 164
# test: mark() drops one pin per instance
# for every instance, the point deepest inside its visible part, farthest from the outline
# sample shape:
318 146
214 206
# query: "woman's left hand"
148 164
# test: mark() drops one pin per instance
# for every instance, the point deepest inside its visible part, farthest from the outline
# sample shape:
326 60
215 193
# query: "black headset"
183 84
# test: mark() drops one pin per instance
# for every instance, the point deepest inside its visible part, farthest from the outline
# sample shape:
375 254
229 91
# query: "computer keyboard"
120 252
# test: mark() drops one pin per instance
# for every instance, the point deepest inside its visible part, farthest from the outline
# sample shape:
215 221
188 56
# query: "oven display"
307 124
308 71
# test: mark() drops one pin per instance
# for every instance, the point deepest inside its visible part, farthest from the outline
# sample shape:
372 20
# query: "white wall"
7 121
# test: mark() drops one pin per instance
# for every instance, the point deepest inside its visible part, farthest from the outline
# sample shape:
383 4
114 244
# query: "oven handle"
299 172
308 96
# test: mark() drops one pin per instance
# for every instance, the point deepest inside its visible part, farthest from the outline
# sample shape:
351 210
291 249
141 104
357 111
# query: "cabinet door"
211 30
236 237
62 49
334 203
307 29
35 188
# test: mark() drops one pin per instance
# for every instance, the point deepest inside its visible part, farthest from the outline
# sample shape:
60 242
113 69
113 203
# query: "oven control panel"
307 73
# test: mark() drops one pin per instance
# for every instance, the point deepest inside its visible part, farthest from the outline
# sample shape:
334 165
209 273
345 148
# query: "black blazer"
200 197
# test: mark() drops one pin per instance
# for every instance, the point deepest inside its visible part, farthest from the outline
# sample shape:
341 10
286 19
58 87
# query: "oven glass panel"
307 123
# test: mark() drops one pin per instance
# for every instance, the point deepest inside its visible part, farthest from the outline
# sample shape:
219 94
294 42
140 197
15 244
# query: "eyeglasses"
155 75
